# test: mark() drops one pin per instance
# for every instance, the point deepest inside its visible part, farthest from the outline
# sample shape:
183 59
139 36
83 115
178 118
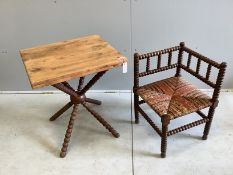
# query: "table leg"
88 86
78 97
80 84
61 111
102 121
69 131
90 100
92 82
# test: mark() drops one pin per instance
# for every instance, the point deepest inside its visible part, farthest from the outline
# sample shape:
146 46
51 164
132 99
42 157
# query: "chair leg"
164 140
208 124
69 131
136 113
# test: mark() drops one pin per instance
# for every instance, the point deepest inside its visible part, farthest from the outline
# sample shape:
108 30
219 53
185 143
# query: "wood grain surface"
62 61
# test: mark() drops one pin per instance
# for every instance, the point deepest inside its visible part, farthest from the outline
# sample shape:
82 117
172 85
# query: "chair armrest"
221 67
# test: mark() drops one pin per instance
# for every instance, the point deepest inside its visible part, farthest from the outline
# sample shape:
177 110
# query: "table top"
62 61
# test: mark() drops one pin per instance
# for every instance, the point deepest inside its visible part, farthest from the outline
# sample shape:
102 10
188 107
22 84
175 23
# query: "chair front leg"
164 141
136 85
136 103
165 123
208 124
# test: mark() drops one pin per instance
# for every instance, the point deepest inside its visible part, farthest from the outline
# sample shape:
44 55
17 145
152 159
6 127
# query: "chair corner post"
180 57
221 74
165 119
135 86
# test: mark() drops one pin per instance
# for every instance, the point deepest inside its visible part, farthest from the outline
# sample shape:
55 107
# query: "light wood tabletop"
62 61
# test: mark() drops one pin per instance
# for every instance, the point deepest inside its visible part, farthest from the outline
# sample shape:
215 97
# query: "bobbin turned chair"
175 97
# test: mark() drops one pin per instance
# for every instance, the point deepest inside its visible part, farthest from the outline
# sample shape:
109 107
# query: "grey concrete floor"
30 143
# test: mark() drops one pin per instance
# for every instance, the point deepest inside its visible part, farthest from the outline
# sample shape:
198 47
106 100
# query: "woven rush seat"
173 96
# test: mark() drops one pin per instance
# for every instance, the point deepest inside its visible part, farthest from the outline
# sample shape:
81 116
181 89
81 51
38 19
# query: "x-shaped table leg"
78 97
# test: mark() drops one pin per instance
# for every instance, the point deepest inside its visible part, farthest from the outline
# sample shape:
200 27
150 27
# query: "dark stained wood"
69 131
200 77
188 126
198 66
165 122
147 64
78 97
159 62
180 58
148 119
203 58
136 85
201 114
189 60
164 68
156 53
208 72
169 58
215 96
61 111
102 121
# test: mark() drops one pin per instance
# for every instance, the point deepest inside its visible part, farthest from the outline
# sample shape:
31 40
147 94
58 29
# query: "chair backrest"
158 54
180 65
221 68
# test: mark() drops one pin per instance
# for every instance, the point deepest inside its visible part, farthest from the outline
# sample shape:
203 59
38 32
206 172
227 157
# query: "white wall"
205 25
27 23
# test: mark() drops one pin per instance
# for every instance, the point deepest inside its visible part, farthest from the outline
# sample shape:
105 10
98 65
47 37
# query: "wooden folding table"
54 64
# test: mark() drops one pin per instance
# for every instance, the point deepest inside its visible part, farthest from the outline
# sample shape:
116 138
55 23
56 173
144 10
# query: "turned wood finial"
136 55
182 44
223 64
